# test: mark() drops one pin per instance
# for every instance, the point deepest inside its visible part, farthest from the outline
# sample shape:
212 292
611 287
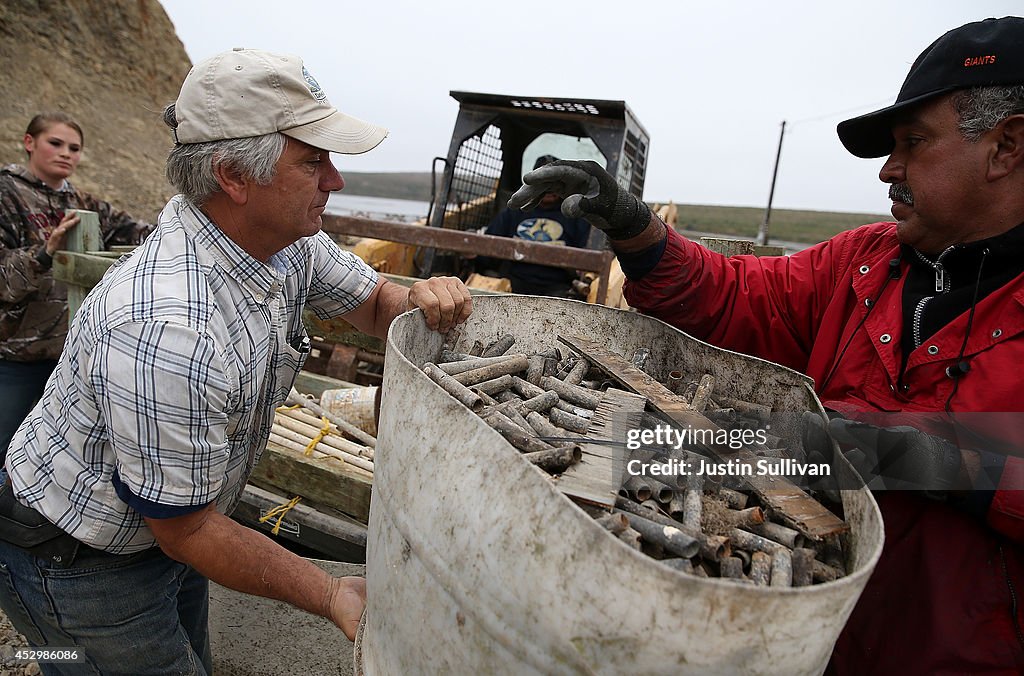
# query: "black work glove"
901 458
818 448
590 192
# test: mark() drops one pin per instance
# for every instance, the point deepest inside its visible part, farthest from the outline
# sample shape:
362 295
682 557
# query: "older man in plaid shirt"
165 393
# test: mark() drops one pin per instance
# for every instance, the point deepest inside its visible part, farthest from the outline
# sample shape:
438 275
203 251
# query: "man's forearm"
242 559
445 301
392 301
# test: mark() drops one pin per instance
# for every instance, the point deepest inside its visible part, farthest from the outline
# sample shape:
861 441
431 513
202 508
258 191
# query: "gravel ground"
9 637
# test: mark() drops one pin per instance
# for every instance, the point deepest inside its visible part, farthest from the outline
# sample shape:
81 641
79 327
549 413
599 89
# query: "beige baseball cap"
249 92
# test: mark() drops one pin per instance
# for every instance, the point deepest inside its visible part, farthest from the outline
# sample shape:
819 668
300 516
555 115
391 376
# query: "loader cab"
497 139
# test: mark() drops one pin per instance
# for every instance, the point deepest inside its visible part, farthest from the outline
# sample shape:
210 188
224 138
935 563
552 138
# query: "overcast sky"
710 81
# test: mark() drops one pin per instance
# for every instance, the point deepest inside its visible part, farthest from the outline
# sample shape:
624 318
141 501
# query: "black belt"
26 528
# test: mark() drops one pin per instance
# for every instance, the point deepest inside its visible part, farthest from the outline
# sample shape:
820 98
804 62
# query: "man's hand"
445 302
346 603
902 457
590 192
60 234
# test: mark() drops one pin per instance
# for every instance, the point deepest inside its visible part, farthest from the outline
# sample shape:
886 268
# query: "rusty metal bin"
477 564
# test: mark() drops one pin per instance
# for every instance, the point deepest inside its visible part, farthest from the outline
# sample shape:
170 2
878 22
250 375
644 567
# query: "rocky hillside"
111 64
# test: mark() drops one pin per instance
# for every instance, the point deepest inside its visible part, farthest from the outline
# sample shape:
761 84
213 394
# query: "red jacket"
945 591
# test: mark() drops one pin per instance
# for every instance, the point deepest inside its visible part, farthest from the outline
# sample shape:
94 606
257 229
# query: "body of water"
381 208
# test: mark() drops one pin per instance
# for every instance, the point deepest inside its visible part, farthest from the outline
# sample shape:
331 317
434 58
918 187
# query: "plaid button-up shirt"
170 376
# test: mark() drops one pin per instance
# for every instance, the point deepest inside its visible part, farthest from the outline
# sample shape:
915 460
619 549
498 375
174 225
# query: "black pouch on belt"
24 527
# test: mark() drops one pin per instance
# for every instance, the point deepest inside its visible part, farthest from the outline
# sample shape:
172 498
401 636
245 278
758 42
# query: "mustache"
901 192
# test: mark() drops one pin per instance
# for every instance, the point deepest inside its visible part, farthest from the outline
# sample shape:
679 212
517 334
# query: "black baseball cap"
980 54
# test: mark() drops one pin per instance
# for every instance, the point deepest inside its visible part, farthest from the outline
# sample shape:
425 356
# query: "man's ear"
30 143
1008 155
232 183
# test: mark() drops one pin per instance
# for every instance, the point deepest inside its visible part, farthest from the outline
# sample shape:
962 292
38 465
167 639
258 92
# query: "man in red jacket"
921 318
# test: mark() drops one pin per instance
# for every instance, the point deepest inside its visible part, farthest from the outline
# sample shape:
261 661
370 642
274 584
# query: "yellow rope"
281 409
279 512
324 431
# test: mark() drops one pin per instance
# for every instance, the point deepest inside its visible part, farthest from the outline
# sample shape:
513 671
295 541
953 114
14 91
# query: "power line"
841 112
762 234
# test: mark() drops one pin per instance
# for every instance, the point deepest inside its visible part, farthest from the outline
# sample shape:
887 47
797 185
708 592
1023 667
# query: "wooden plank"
80 269
597 477
337 330
801 510
469 242
86 235
739 247
496 284
323 480
316 384
473 290
769 250
326 531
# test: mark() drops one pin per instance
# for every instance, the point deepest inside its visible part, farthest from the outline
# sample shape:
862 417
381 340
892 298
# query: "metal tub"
477 564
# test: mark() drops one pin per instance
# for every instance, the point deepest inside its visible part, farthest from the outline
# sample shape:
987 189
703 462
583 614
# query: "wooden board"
597 477
613 294
322 480
86 235
316 384
497 284
322 529
740 247
801 510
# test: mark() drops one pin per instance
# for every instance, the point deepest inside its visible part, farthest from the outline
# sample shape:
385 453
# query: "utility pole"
762 232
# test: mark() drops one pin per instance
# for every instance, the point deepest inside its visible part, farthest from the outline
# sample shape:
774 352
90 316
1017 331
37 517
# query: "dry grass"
791 225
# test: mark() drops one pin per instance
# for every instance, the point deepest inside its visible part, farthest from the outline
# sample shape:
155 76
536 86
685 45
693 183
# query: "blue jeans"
134 614
21 385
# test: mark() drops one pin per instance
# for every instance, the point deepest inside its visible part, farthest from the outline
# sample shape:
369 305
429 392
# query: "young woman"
36 214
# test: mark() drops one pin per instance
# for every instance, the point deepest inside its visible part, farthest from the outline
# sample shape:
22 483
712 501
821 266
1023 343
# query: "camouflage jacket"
33 307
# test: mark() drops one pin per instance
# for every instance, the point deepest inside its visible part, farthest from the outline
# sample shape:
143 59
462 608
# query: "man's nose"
893 171
331 180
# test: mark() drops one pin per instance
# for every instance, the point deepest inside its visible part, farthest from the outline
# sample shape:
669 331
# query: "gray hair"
982 108
191 166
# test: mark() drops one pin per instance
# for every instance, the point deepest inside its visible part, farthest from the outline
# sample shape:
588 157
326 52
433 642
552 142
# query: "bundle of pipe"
538 402
298 428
